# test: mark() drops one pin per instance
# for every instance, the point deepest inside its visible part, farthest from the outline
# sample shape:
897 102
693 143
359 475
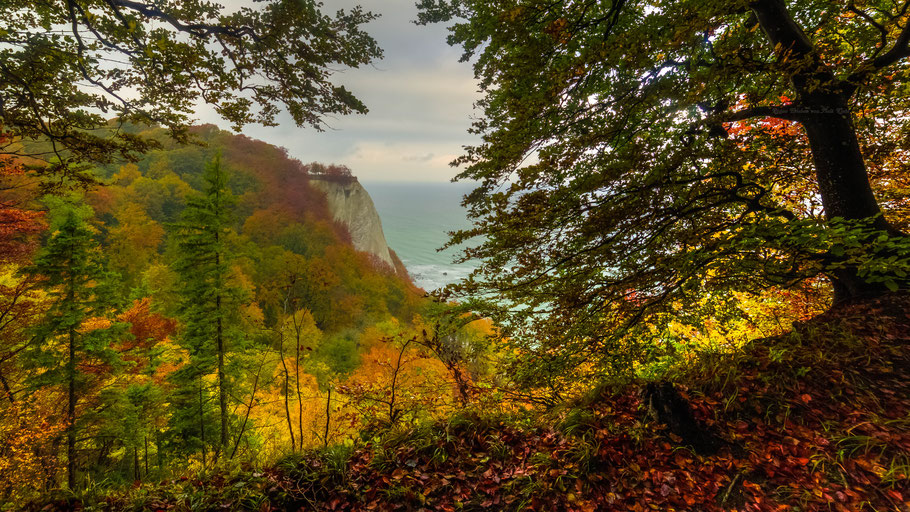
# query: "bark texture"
841 173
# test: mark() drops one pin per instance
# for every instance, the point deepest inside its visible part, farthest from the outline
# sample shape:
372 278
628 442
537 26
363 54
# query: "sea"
416 218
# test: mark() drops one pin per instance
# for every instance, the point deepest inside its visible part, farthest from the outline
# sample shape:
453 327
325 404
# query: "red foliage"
18 226
17 230
284 180
148 329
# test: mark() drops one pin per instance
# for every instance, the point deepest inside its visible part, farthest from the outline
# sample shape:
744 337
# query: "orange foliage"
148 329
264 226
398 381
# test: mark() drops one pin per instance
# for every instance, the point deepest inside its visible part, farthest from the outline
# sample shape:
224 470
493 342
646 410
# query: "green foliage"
204 264
58 84
73 350
339 353
637 157
80 288
208 311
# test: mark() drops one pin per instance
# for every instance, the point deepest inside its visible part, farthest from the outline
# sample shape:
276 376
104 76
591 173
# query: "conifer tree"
74 334
208 304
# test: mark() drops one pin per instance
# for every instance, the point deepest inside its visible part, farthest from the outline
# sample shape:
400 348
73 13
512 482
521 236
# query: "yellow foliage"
398 381
28 458
94 324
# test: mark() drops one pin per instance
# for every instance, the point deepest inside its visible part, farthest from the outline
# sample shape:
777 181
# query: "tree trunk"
297 328
287 390
328 418
137 475
222 391
287 375
249 409
219 340
146 456
668 407
6 389
158 461
843 183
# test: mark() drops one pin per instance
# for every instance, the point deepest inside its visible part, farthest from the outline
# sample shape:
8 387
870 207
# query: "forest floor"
818 419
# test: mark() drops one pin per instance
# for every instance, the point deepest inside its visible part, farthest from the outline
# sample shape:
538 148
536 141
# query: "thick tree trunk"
841 172
843 184
843 181
668 407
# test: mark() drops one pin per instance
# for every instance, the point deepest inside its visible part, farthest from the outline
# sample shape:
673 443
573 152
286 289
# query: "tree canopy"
637 155
67 67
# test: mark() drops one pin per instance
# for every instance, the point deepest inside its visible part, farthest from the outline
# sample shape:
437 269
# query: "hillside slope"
818 419
300 314
280 215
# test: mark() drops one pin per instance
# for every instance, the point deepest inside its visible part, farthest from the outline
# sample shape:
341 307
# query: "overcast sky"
420 99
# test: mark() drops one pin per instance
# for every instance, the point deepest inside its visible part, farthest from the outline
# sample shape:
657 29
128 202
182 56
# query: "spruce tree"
207 306
74 333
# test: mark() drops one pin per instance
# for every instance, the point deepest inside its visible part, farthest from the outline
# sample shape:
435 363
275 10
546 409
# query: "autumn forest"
688 242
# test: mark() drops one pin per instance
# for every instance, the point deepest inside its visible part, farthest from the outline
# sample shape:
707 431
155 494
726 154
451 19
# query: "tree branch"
780 27
81 59
196 29
878 26
786 112
899 50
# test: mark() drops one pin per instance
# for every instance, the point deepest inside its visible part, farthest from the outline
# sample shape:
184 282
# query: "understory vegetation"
815 419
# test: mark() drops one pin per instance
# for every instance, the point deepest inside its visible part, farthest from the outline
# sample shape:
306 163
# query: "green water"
415 219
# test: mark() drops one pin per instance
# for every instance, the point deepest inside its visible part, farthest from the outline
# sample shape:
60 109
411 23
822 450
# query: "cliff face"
351 205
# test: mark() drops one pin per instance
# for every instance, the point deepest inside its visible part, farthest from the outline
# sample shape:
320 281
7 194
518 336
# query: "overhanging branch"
899 50
786 112
196 29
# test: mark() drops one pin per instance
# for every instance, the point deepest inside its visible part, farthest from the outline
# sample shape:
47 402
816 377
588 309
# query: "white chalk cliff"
351 205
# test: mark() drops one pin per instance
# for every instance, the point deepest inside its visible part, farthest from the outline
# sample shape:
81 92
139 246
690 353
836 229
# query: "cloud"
400 161
419 158
420 99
